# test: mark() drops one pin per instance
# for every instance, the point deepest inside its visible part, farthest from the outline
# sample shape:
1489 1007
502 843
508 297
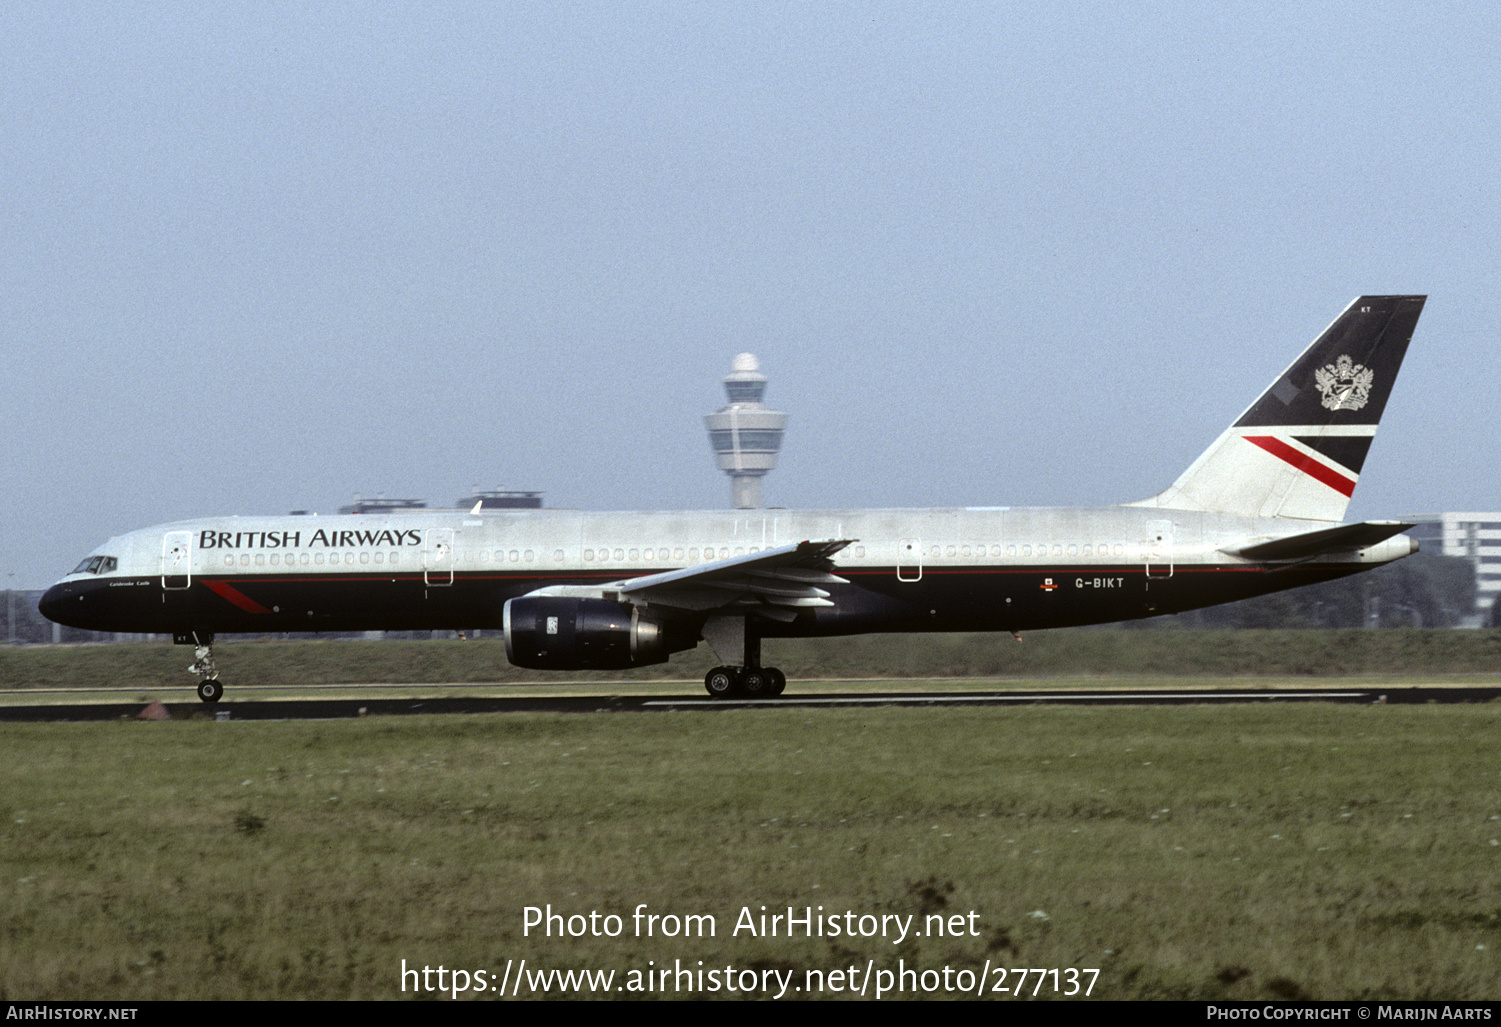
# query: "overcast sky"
264 256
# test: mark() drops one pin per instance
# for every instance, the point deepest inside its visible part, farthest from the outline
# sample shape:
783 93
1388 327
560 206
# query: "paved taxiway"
333 709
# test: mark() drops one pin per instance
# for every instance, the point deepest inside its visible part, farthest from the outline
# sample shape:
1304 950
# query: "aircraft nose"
54 603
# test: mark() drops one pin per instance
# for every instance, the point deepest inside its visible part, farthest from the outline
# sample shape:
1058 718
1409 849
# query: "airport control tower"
745 435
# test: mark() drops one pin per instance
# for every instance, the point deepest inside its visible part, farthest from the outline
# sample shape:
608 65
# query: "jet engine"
566 633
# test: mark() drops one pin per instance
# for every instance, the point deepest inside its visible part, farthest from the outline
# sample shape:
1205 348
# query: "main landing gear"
730 637
209 688
745 682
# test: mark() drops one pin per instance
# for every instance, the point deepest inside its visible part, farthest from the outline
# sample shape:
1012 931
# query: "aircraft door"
177 560
909 559
1159 549
437 557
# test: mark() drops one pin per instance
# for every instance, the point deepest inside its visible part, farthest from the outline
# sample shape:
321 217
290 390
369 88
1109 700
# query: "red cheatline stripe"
1307 464
235 596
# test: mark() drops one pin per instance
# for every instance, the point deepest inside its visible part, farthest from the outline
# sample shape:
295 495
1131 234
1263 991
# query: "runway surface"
238 708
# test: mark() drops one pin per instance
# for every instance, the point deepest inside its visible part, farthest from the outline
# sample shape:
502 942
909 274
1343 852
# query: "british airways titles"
293 539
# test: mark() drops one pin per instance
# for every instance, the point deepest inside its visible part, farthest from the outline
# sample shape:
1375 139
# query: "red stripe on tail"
1308 465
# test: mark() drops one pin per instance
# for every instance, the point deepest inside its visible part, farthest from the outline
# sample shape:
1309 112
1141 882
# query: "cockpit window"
97 565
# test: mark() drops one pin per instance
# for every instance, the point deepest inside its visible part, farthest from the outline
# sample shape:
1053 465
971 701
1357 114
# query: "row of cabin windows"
319 559
1072 549
499 556
680 554
514 556
663 554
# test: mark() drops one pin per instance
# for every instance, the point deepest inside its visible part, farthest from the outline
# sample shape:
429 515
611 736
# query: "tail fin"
1298 450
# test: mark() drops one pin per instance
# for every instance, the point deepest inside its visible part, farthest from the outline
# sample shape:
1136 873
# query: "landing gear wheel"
722 682
778 681
209 690
755 683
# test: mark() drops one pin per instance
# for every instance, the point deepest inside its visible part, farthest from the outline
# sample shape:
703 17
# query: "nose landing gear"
209 688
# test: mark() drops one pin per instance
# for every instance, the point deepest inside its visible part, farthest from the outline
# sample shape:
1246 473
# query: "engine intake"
564 633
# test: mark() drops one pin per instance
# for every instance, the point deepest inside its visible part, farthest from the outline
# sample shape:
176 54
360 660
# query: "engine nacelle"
565 633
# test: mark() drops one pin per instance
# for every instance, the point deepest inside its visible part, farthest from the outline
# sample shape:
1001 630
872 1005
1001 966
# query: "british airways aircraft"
1260 511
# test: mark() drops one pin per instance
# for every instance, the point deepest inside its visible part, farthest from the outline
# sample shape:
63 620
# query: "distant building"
382 505
500 499
1475 537
745 435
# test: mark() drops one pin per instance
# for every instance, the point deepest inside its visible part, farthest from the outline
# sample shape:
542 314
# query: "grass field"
1190 852
1071 653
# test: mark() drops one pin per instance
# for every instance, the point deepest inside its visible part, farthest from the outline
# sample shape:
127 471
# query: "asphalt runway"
236 708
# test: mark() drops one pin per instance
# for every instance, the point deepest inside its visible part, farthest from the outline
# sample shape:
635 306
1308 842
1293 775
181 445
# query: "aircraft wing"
775 582
1342 539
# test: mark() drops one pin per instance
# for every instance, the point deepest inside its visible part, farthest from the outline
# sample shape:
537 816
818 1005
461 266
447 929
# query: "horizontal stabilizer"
1343 539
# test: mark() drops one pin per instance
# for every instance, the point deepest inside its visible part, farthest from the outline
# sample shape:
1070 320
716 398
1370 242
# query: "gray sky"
264 256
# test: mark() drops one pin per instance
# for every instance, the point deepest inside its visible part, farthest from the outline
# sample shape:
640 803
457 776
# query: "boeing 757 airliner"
1260 511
